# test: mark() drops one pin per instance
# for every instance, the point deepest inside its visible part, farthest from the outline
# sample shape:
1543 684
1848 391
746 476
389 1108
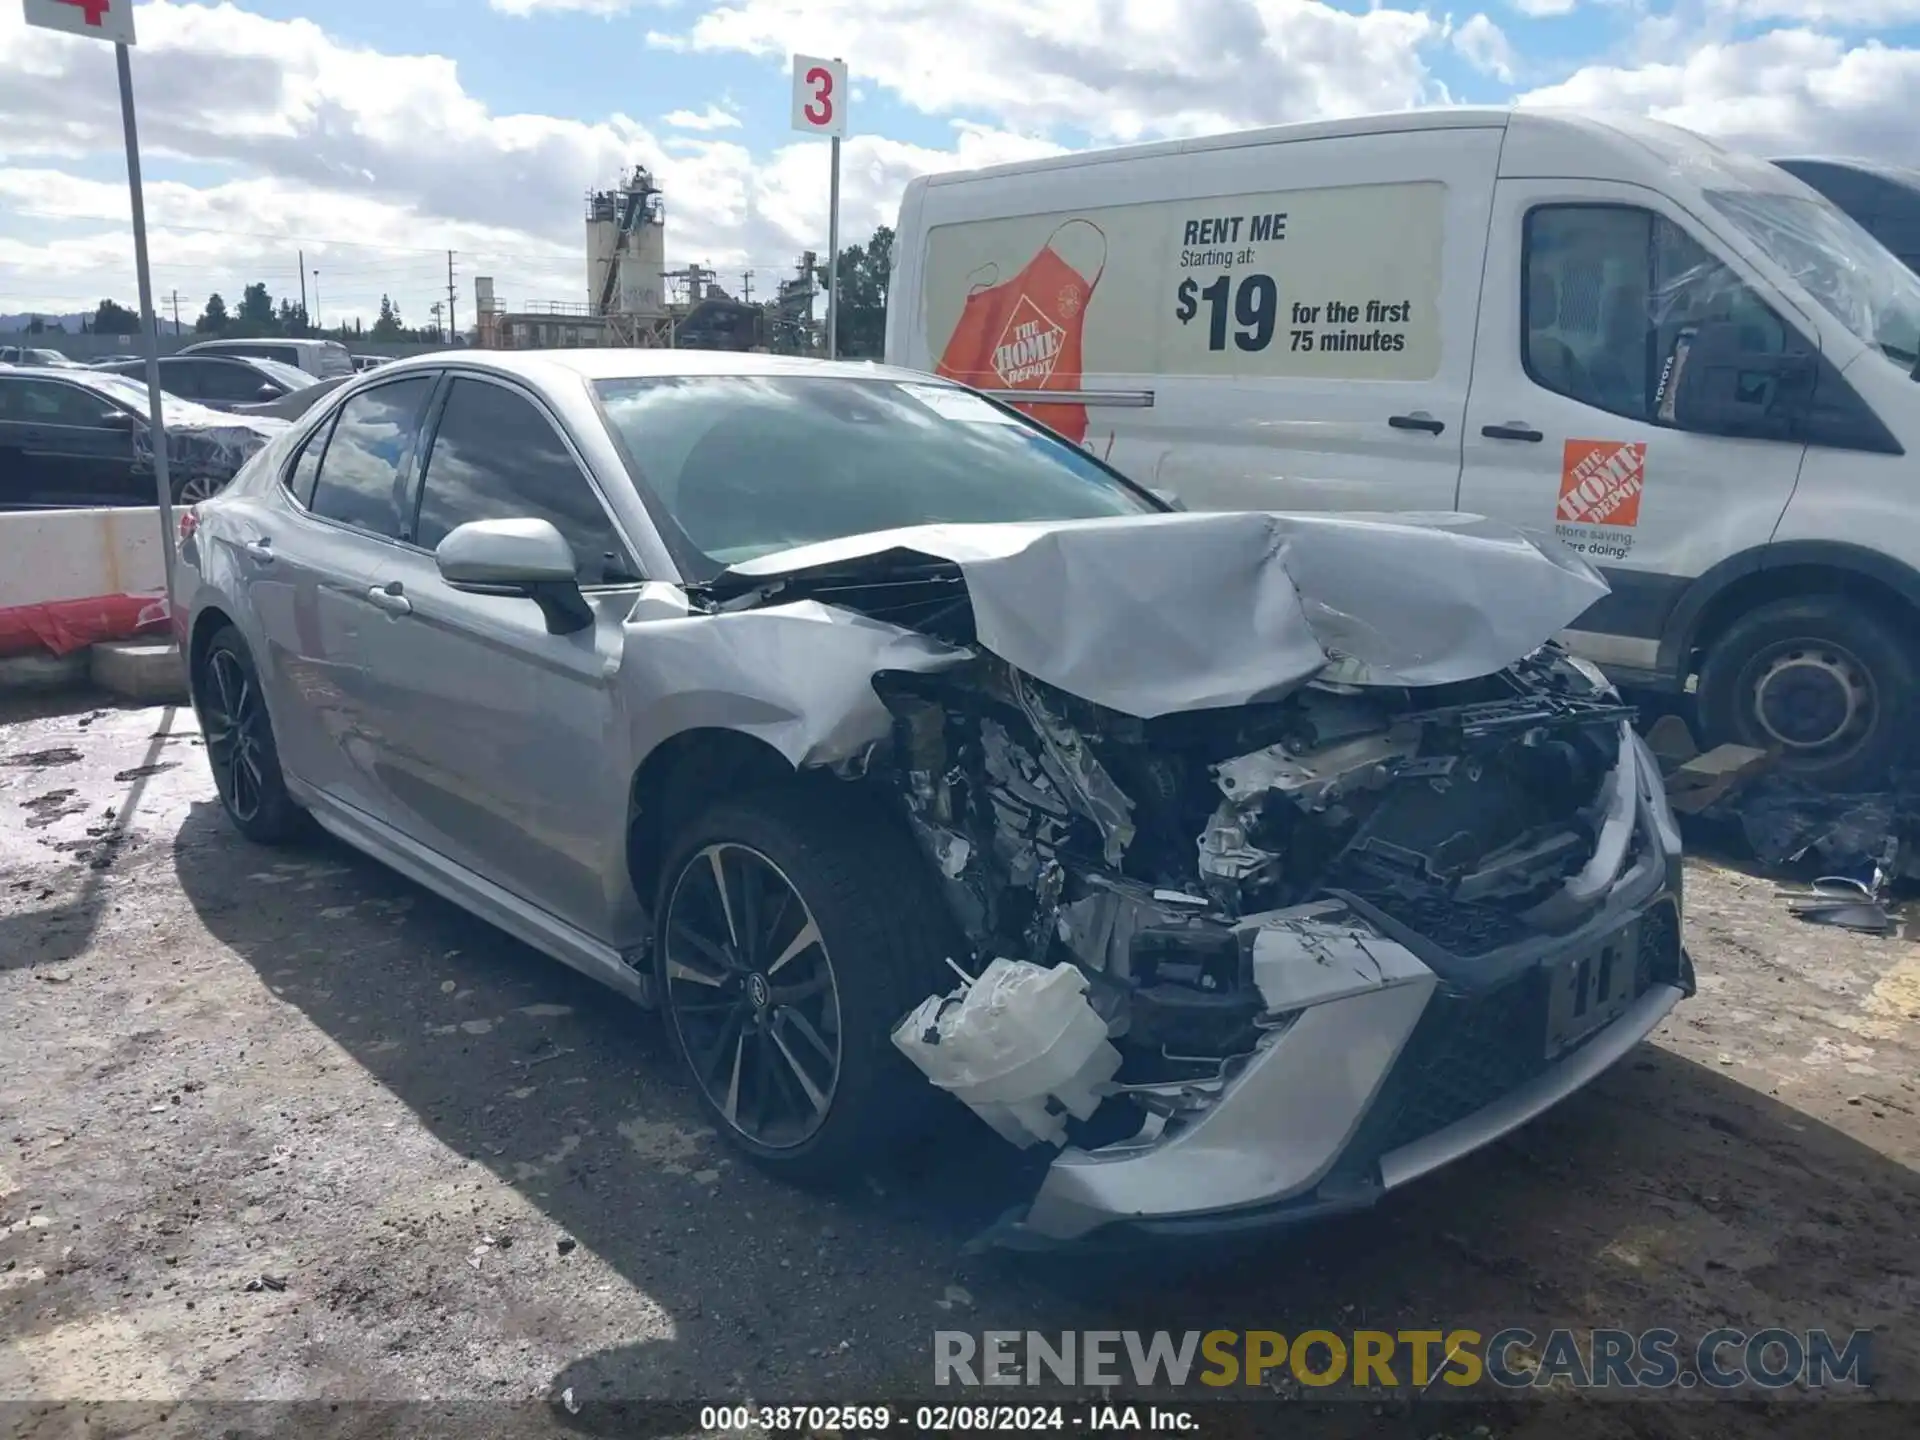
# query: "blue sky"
273 127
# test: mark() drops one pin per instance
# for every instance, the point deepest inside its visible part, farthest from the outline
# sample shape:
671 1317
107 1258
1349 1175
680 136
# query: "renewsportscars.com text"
1726 1359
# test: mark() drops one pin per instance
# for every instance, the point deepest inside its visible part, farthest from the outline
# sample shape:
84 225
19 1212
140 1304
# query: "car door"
65 445
1593 293
497 738
306 555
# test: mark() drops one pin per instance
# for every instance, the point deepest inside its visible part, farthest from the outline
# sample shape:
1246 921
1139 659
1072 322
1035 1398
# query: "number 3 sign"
819 95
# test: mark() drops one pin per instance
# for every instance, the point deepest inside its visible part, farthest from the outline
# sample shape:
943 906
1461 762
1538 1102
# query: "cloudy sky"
376 135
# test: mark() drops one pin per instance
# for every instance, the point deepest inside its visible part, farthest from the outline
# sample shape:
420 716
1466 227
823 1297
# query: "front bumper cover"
1379 1083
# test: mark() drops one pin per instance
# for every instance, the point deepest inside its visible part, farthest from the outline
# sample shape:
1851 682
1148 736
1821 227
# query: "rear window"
331 360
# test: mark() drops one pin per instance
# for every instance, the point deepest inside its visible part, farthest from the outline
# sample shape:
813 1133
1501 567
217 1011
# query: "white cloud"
1851 14
374 164
1787 92
579 7
1484 46
1117 71
712 118
1539 9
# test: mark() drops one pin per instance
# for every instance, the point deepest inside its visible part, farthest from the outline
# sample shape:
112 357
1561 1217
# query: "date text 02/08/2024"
946 1419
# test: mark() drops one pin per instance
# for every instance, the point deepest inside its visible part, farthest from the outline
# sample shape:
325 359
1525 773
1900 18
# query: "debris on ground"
266 1282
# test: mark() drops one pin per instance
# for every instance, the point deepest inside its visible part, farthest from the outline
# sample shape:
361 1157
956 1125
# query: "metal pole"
833 254
162 482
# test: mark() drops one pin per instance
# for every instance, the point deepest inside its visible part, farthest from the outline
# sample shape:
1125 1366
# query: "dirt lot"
281 1125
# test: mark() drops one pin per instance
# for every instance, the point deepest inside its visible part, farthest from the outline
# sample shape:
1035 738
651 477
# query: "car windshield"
1856 278
750 464
290 376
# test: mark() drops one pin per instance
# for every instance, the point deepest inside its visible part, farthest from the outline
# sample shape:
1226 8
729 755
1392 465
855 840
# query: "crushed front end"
1335 940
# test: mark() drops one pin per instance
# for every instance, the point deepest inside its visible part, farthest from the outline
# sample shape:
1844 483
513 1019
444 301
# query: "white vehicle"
324 358
1684 362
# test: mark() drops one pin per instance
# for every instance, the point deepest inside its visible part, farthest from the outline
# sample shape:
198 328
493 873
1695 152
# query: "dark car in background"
1883 199
239 383
81 437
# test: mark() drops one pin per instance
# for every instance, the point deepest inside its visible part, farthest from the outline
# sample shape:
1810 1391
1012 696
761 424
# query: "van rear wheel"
1821 681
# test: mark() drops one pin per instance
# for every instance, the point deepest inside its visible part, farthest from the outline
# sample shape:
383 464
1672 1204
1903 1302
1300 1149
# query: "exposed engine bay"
1278 916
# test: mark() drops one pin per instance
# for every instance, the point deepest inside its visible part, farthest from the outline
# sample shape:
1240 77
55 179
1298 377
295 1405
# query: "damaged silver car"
1251 865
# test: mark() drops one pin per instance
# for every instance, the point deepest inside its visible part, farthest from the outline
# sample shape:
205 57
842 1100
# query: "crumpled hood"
1153 614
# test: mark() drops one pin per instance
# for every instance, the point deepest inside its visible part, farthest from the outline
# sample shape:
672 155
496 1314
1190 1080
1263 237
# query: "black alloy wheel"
240 742
752 993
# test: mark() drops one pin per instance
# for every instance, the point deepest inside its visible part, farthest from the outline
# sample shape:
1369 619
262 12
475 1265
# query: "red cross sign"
97 19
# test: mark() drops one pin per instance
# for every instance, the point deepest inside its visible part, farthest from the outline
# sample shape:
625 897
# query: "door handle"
1514 431
389 598
1417 421
261 550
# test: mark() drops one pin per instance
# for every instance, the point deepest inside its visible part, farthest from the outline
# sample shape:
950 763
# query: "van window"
1608 291
330 358
1851 274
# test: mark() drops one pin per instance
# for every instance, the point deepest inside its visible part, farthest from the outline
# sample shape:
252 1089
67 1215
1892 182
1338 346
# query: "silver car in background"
893 745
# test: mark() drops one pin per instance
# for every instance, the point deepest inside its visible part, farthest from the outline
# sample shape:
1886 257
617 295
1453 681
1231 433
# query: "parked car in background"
36 355
370 362
73 437
1884 199
238 383
771 691
102 362
321 358
296 403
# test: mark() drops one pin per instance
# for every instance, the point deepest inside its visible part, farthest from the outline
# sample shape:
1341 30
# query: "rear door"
1592 291
308 564
497 737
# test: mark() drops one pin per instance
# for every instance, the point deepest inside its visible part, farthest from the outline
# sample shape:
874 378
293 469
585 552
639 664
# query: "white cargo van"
1682 361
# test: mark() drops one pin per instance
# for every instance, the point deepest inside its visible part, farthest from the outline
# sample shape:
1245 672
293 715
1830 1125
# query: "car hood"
1154 614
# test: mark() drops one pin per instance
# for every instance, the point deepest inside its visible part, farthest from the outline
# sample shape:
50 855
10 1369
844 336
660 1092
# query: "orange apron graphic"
1025 333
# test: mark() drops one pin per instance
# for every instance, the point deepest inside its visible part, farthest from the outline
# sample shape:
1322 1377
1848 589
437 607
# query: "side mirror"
269 392
114 418
527 558
1713 382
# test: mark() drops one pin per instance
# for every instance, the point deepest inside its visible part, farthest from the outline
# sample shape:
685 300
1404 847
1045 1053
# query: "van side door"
1594 292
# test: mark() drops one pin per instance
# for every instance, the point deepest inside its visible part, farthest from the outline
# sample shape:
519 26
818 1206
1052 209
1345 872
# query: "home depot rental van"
1683 362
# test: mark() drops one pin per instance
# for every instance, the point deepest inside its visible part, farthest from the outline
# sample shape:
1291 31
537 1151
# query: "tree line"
258 315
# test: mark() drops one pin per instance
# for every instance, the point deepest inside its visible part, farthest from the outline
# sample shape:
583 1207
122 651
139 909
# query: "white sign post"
112 21
820 108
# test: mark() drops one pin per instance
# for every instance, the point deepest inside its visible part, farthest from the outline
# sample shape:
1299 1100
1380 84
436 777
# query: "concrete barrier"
72 578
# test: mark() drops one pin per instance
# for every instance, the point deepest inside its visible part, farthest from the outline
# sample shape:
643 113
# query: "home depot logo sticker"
1029 345
1601 481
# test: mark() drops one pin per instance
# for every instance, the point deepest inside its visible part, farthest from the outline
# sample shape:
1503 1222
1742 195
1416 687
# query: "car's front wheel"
793 931
240 744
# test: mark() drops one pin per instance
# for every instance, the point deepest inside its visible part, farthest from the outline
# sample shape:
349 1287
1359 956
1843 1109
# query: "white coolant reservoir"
1019 1046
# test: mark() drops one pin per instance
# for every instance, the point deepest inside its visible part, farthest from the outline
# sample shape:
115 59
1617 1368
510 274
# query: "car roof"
624 363
227 342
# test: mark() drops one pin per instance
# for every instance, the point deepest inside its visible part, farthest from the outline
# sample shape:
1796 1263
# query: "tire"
1826 685
883 934
192 489
241 749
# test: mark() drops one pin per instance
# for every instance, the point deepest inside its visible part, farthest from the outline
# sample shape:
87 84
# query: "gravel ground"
279 1125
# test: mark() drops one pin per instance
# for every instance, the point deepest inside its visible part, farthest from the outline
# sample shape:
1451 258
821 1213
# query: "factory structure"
632 299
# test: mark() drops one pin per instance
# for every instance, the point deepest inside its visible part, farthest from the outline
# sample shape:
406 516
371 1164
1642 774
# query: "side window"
227 380
496 457
47 402
365 469
306 468
1611 293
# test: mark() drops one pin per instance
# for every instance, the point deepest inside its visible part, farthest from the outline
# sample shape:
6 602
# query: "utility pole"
451 339
746 287
305 314
176 314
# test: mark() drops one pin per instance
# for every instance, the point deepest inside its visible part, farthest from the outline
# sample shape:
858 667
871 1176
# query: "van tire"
1823 683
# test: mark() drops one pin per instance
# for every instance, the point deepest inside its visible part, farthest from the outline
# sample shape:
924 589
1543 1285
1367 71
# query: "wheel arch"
1888 587
679 779
208 623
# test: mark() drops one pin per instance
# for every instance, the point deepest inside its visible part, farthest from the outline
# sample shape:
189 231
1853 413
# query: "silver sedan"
899 749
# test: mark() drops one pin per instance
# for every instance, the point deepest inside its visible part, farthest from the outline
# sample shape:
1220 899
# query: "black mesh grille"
1658 959
1466 1052
1465 929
